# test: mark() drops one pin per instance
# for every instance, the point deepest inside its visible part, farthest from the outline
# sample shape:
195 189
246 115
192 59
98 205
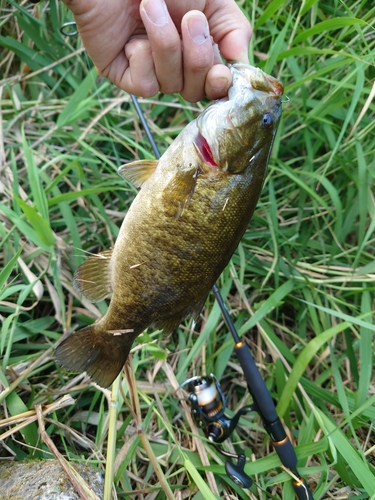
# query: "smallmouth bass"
183 226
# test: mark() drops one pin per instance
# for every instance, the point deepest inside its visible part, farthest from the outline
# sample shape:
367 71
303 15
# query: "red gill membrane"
207 153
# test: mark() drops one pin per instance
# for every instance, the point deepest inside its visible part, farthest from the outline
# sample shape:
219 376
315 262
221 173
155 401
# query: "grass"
300 286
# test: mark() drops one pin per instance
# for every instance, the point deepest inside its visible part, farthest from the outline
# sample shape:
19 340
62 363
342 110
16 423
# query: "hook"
65 29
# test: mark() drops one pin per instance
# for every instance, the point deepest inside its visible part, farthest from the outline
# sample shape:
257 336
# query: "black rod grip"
286 453
255 382
302 490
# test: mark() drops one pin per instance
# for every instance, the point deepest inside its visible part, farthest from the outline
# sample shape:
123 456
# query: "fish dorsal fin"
93 278
177 194
138 172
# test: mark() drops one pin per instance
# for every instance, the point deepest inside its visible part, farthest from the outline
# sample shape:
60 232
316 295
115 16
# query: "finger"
139 78
218 81
231 31
234 47
198 54
165 43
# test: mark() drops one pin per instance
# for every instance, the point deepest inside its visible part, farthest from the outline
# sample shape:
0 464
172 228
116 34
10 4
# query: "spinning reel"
208 404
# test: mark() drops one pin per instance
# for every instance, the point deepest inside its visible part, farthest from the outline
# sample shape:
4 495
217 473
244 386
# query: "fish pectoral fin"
93 277
177 194
138 172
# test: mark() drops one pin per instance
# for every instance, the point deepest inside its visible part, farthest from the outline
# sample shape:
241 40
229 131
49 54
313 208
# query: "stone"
44 480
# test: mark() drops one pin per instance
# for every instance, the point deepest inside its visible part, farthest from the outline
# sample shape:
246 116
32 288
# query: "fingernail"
219 84
198 28
156 11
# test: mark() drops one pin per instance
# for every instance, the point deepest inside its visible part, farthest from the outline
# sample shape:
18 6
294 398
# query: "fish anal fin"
177 194
138 172
99 353
93 277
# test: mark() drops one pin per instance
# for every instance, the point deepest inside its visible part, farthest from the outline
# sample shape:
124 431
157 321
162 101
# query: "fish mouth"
204 150
257 78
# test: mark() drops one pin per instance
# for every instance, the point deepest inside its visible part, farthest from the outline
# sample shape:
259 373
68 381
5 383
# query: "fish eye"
267 120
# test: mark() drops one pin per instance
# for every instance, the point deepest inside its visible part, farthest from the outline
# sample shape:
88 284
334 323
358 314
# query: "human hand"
146 46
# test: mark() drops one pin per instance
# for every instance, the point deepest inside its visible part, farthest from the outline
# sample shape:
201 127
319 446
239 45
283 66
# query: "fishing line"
205 396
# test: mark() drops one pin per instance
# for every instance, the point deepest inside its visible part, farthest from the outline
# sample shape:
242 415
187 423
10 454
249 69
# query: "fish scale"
193 207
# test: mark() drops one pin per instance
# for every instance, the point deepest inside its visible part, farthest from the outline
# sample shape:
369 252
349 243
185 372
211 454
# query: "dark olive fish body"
182 228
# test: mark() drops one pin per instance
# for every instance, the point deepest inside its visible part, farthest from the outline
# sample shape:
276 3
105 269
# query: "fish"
182 228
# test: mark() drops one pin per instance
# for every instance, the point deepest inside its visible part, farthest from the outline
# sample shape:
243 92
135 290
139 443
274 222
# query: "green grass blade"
273 301
41 226
328 25
8 268
356 463
269 11
36 185
301 363
203 488
79 102
366 364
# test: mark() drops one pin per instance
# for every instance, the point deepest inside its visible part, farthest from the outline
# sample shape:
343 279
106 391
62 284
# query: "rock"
44 480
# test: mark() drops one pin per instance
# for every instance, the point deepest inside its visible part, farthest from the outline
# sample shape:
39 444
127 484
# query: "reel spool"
208 404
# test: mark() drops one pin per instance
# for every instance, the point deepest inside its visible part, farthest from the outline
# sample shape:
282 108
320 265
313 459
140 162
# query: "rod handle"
255 383
286 452
302 490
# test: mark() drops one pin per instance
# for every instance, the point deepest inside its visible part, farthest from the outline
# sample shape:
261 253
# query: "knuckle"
200 65
199 61
140 86
137 46
166 44
149 90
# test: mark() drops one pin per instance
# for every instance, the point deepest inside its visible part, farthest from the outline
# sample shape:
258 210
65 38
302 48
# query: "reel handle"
237 474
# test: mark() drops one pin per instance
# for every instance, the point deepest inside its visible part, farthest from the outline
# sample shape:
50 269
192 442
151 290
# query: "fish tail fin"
102 354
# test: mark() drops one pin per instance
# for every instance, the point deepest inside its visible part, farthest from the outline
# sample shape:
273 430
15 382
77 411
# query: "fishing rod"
208 401
206 398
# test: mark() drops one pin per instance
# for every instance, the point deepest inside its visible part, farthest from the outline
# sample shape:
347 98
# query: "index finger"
165 44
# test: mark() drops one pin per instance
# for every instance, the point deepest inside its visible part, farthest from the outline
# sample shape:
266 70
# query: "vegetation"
300 287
